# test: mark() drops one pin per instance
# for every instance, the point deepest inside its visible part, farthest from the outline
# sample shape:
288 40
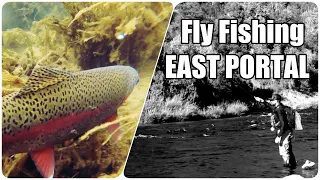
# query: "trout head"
132 79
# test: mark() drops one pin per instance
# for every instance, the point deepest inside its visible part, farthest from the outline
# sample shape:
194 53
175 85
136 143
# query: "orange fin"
113 127
44 161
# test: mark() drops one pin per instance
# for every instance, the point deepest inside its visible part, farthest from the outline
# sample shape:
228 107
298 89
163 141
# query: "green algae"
84 38
95 31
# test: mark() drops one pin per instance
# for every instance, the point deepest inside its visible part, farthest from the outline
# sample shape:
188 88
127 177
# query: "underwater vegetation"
89 35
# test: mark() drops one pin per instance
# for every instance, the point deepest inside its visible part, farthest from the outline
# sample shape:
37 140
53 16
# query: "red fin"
113 127
44 161
116 135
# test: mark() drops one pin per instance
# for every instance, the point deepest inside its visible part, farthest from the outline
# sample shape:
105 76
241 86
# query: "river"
233 147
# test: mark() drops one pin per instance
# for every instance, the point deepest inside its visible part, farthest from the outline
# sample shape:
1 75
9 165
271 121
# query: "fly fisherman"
280 122
284 135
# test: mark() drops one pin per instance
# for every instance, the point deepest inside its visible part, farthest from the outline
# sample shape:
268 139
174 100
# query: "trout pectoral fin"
44 161
114 127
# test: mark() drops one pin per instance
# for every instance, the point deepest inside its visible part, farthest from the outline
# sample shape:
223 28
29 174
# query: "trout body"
56 106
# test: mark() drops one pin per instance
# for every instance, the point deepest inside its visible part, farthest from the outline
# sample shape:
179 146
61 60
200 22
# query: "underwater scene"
70 101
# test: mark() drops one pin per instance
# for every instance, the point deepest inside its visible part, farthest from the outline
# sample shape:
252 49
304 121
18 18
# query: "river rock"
253 122
183 130
253 126
308 165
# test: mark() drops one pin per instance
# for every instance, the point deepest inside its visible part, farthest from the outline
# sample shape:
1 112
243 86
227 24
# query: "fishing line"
90 132
119 128
242 88
128 131
99 128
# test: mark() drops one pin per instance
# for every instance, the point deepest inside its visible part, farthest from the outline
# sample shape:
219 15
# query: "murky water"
220 148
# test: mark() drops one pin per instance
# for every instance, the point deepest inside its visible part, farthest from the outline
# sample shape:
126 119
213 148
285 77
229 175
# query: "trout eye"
12 157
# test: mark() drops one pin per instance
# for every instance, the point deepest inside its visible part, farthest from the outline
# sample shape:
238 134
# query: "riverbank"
176 109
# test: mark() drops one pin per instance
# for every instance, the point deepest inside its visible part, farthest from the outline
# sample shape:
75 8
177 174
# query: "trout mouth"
131 86
124 99
133 80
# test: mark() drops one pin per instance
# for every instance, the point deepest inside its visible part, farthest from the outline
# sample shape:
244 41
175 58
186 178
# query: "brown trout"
56 105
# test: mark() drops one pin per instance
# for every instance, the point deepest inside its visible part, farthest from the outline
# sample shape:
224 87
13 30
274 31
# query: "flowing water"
233 147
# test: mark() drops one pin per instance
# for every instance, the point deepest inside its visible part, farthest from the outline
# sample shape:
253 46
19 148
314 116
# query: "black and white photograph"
238 127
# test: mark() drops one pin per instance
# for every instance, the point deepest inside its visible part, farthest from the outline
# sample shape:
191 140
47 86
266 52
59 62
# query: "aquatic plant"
10 83
92 35
117 33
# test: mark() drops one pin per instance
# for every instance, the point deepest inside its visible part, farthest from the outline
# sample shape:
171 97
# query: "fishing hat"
276 97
